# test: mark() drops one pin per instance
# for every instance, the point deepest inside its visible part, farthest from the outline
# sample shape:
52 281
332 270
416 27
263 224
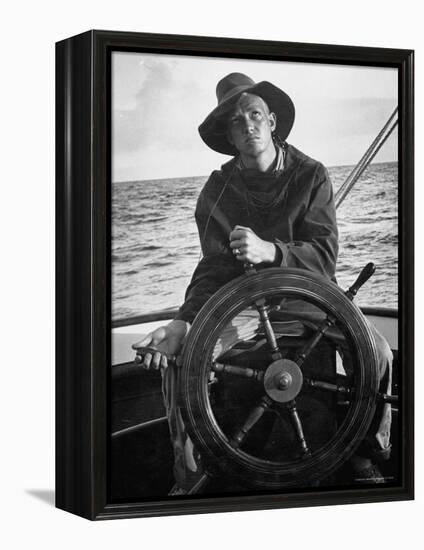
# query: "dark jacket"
293 208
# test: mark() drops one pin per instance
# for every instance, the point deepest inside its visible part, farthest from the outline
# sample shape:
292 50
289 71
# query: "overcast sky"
158 102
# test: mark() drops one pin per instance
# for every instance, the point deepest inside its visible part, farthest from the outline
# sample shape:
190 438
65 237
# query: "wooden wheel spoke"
254 417
327 386
268 330
313 342
386 398
243 372
298 428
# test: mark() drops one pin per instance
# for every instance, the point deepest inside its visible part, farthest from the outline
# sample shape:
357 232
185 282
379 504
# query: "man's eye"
256 114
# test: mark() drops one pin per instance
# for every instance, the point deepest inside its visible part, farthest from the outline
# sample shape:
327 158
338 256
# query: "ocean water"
155 244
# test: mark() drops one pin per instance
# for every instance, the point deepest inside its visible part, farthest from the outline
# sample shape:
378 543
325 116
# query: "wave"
158 264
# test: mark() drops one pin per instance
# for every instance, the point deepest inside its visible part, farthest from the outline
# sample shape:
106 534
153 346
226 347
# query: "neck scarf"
263 190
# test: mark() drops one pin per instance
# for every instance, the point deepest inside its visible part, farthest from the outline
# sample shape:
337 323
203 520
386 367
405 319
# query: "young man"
270 205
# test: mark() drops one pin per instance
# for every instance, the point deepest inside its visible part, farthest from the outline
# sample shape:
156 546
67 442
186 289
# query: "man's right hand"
167 340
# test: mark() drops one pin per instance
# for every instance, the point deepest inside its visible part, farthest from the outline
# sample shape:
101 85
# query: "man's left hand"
248 247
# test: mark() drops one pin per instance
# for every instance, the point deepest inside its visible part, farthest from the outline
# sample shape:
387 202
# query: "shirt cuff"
282 251
278 256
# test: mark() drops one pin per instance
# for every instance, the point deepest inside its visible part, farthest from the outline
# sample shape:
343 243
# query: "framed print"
234 274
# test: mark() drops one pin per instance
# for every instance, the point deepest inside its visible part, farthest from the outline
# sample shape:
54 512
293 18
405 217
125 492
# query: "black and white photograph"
212 229
254 249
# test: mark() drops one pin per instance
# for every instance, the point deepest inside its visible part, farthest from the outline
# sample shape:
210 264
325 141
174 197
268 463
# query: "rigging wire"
366 159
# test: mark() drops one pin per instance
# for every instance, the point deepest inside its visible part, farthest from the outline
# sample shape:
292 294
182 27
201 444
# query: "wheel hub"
283 380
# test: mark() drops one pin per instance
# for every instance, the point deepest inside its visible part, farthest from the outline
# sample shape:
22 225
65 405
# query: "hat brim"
213 129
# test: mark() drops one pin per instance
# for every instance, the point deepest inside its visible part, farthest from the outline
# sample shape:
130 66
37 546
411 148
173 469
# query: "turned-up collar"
277 165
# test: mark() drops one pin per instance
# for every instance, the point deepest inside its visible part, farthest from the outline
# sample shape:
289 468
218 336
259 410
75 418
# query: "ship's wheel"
263 407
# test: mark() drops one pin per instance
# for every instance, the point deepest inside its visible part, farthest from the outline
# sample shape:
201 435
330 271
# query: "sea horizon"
329 167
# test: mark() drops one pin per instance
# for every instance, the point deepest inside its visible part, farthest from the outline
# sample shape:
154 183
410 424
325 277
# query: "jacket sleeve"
218 265
315 236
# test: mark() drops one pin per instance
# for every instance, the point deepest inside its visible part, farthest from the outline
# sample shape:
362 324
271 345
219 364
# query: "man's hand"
167 340
248 247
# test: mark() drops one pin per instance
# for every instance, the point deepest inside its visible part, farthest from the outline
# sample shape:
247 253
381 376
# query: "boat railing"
170 313
162 315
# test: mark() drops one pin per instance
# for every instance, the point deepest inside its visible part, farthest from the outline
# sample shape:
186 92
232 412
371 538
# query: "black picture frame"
83 267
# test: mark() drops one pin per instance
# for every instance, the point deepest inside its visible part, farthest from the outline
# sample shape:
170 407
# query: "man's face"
250 126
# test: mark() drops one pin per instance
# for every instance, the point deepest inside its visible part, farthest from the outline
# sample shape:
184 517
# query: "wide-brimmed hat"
213 129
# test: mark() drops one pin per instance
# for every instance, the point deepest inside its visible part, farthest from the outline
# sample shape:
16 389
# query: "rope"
367 158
